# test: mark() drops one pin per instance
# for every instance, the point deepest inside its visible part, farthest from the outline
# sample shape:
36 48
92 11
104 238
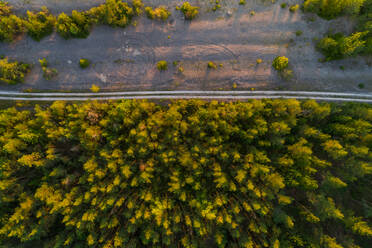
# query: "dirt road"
125 59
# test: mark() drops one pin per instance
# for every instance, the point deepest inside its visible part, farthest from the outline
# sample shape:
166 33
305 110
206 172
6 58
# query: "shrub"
10 26
280 63
258 61
160 13
12 72
84 63
294 8
242 2
40 24
75 26
189 11
95 88
283 5
162 65
298 33
211 65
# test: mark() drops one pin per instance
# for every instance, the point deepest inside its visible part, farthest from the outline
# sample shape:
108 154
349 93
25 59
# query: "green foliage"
5 9
75 26
185 174
189 11
242 2
160 13
84 63
338 46
280 63
283 5
12 72
10 26
162 65
137 6
329 9
40 24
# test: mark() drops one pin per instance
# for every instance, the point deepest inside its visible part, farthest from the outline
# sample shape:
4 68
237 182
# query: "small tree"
84 63
189 11
162 65
280 63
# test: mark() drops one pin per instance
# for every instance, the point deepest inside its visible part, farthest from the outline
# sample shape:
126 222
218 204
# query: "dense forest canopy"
270 173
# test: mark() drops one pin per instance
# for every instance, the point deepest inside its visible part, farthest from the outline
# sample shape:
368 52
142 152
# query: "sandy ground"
126 59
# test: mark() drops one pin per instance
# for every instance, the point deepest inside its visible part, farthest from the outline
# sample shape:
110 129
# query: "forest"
262 173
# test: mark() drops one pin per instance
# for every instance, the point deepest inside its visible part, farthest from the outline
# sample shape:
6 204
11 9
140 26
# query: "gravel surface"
125 59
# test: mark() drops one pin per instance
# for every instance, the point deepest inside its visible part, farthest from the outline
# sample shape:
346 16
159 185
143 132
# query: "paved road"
227 95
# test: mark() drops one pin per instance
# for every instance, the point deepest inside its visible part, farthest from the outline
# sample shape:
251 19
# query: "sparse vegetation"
12 72
162 65
84 63
189 11
48 73
160 13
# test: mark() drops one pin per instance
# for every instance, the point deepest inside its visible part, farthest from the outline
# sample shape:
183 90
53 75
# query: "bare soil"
231 37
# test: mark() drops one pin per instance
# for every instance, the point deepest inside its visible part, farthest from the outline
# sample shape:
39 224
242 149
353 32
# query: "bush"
162 65
10 26
280 63
242 2
298 33
12 72
40 24
259 61
75 26
160 13
189 11
283 5
211 65
84 63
